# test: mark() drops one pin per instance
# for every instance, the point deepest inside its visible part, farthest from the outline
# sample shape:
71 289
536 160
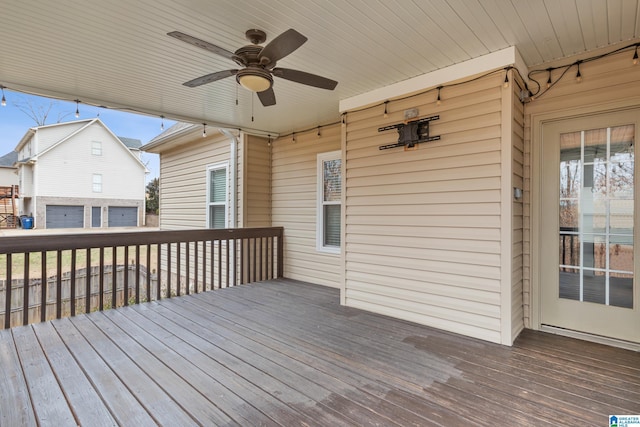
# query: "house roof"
179 133
364 45
9 159
131 143
80 125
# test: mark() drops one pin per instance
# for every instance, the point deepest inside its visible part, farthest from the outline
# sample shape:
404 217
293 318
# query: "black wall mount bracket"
411 133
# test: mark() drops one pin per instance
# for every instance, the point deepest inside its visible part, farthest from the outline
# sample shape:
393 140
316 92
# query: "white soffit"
502 58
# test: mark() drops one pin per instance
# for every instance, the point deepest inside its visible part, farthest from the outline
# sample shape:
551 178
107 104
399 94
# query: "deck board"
286 353
14 394
82 396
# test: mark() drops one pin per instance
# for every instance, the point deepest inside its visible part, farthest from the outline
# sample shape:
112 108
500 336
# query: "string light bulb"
578 74
635 56
293 137
4 100
549 79
77 108
161 123
269 140
319 134
439 100
386 113
204 130
506 79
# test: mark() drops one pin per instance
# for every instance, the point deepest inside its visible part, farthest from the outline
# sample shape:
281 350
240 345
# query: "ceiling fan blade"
201 44
213 77
305 78
281 46
267 97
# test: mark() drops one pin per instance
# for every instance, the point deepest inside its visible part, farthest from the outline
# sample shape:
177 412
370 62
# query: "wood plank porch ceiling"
116 53
285 353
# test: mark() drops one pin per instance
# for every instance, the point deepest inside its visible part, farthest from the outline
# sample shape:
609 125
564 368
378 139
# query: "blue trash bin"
27 222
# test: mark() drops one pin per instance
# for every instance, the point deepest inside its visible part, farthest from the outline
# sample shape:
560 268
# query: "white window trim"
322 157
96 148
95 182
216 166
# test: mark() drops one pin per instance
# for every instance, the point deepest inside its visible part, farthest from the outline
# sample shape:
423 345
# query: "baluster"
44 285
101 281
87 295
137 274
59 284
72 283
148 283
7 293
114 276
25 290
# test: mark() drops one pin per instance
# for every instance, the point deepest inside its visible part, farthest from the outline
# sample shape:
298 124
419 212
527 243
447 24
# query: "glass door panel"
596 215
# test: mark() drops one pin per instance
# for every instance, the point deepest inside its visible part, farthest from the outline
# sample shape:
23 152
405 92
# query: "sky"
14 123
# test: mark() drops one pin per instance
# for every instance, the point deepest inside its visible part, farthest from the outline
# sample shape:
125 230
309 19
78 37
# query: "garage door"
123 217
60 216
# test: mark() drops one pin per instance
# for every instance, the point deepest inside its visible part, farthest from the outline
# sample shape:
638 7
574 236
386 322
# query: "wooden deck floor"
285 353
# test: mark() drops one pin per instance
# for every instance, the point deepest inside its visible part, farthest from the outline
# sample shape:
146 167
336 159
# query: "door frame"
535 209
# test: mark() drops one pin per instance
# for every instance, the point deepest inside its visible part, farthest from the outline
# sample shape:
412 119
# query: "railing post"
280 253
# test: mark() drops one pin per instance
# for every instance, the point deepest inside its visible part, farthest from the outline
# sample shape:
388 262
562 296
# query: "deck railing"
52 276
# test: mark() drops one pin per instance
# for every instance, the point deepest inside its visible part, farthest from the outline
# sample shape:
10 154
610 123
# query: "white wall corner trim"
502 58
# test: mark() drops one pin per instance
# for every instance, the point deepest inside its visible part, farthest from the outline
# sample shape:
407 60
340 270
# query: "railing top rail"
52 242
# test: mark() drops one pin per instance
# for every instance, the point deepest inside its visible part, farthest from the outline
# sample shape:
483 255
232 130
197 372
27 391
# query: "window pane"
217 216
569 283
621 217
569 215
332 180
621 290
595 145
569 249
332 225
570 179
594 287
621 253
621 180
594 251
218 185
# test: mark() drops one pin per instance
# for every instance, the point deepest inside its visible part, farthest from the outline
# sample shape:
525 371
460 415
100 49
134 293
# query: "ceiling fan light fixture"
254 79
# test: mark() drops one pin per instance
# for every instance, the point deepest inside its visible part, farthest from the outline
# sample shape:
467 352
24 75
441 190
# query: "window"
217 191
97 183
96 148
329 202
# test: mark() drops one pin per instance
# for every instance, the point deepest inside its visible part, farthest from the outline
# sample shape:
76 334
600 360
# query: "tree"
39 111
153 196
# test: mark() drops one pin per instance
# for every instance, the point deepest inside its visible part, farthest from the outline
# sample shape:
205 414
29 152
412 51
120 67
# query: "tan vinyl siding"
257 176
423 227
608 83
294 199
517 170
183 186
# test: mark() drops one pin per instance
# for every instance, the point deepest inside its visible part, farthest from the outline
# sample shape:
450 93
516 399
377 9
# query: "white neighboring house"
8 170
79 174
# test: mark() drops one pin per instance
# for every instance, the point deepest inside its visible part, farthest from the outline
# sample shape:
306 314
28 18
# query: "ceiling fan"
259 63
